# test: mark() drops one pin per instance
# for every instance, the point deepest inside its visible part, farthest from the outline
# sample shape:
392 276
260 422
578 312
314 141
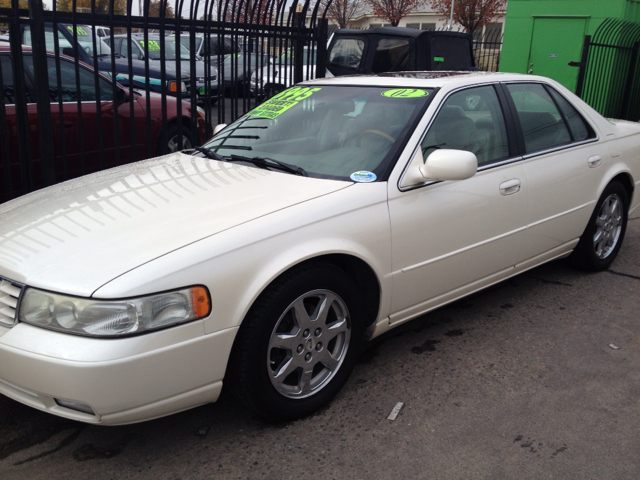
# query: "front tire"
602 239
298 344
172 139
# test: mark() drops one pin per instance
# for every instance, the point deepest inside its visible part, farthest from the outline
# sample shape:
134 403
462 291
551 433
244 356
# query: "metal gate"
181 68
609 78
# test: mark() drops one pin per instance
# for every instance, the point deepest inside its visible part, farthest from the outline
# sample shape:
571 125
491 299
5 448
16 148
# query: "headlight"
111 318
201 113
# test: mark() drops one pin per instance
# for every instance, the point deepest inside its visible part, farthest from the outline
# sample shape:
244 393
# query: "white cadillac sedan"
325 217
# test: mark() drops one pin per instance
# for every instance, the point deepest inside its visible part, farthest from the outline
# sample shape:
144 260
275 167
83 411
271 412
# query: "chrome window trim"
562 147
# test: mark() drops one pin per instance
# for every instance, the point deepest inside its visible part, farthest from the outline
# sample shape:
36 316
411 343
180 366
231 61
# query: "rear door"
563 163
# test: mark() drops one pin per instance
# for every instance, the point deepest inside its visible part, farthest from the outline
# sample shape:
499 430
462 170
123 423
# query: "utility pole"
453 2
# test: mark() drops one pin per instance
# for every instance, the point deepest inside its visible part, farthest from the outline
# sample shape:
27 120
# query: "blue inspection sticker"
363 176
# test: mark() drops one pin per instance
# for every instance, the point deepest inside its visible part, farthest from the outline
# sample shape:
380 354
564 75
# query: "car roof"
428 79
396 32
6 47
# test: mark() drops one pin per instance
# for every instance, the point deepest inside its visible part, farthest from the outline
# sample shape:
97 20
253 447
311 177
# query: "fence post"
298 48
43 99
583 65
626 97
321 60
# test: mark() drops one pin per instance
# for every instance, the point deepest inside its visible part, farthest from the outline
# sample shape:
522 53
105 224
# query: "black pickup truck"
389 49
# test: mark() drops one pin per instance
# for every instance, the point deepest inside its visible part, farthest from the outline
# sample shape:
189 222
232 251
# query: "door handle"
510 187
594 161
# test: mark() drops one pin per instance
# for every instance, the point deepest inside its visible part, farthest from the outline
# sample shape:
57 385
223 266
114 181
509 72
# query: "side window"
67 90
347 52
579 128
542 124
392 53
470 120
49 35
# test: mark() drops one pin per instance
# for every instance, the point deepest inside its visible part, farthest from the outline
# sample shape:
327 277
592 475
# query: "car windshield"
85 40
170 52
338 132
185 41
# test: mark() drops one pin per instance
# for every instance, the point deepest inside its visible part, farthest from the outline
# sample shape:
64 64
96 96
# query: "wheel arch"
186 122
359 270
627 182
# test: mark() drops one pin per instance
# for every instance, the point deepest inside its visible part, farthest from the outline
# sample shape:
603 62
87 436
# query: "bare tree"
101 6
341 11
471 14
393 10
247 11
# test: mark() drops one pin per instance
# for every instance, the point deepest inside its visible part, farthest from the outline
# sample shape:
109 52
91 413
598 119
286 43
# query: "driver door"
454 237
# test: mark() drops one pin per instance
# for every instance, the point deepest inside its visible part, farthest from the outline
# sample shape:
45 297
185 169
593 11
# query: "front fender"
238 264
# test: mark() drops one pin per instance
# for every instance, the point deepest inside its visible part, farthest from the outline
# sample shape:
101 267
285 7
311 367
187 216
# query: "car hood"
121 66
185 67
76 236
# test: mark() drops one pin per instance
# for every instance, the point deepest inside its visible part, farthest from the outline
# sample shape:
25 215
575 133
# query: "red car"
77 137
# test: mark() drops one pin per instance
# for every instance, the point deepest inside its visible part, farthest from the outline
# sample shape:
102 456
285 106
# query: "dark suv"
78 41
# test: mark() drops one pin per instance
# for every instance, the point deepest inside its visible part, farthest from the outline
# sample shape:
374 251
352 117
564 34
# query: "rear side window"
543 126
347 52
392 54
580 130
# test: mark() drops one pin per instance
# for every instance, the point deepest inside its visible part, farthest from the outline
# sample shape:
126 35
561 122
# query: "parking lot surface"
538 377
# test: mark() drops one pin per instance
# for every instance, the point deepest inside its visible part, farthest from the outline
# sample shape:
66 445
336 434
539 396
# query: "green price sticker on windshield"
405 93
151 45
79 30
282 102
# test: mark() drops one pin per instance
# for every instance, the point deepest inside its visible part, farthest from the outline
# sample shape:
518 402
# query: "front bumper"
123 380
203 89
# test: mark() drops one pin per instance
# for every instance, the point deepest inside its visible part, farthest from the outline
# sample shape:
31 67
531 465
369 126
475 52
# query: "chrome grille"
9 294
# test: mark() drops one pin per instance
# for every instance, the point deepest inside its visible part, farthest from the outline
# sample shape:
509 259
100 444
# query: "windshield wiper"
266 162
208 153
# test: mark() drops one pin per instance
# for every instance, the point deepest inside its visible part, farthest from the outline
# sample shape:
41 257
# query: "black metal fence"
609 78
487 47
63 116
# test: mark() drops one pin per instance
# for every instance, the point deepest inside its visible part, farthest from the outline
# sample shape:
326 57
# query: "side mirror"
121 96
446 164
219 127
441 165
70 52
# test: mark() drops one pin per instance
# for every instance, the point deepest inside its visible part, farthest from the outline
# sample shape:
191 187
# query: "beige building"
425 19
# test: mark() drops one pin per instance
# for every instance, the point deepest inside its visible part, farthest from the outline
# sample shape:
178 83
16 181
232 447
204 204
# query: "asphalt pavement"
536 378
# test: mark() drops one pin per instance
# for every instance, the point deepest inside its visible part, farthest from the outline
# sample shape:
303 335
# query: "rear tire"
602 239
298 344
